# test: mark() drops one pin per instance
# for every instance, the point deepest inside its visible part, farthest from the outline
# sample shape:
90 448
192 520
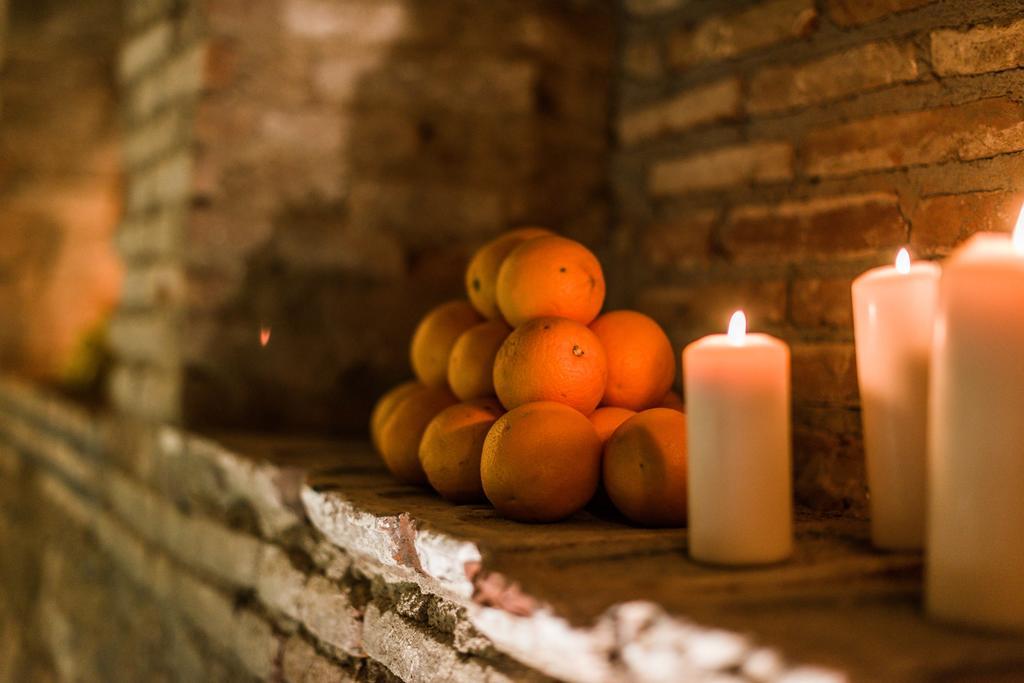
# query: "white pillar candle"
893 321
975 553
738 438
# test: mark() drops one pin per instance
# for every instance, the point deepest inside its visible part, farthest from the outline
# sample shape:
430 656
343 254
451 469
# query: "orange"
608 418
471 364
641 362
402 430
550 276
386 404
551 359
434 338
645 468
541 462
674 401
451 448
482 273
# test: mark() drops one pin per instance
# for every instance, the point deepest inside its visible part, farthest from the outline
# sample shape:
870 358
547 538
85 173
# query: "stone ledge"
593 599
352 575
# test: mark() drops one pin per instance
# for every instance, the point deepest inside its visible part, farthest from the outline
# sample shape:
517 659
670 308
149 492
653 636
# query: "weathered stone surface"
416 656
756 162
302 664
326 611
978 50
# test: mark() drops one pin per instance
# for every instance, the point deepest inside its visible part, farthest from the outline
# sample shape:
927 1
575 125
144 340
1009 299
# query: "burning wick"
1018 233
903 262
264 336
737 328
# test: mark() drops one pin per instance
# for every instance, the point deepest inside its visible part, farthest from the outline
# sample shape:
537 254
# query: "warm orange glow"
737 327
903 262
264 336
1018 233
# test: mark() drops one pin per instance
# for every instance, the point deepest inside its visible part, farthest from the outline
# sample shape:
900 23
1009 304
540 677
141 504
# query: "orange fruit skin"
452 446
385 405
644 468
674 401
482 272
402 431
434 338
550 276
551 359
471 364
541 462
608 418
641 362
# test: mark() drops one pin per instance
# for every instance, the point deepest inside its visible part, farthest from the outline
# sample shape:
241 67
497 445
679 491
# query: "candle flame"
903 262
1018 233
737 327
264 336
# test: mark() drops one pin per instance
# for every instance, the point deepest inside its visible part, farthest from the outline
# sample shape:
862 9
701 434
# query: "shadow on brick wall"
359 152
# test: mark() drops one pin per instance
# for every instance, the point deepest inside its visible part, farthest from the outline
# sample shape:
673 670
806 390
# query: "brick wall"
322 169
770 151
160 72
141 553
59 187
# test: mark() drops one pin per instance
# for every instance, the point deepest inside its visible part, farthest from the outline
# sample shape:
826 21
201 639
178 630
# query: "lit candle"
738 439
975 568
893 321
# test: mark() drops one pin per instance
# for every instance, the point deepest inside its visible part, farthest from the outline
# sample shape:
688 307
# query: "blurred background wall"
321 170
315 173
60 189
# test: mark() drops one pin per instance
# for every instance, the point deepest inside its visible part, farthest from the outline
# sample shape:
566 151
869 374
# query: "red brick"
681 240
360 22
825 374
641 58
756 162
828 459
978 50
822 303
940 223
649 7
708 306
825 226
864 67
703 104
856 12
728 35
145 49
976 130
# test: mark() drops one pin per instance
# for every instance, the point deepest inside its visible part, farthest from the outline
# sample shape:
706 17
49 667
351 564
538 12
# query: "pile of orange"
528 398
